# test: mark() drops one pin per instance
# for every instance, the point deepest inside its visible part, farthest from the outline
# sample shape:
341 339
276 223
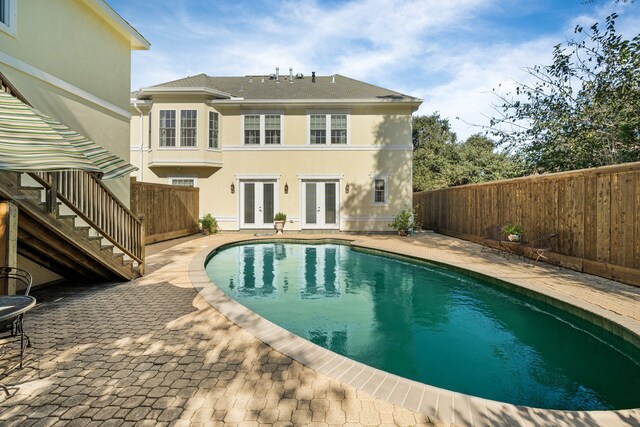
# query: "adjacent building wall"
75 67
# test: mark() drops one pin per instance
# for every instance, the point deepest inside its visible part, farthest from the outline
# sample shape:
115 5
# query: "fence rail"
594 210
170 211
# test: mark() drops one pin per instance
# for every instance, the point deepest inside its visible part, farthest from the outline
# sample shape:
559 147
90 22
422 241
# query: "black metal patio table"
12 306
512 247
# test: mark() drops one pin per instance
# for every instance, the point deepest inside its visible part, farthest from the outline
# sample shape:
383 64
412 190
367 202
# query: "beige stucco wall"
75 67
375 136
66 40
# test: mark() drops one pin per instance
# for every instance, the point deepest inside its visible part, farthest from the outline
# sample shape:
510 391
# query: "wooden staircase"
71 224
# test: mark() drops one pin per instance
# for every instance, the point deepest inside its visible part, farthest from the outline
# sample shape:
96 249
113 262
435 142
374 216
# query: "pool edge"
441 404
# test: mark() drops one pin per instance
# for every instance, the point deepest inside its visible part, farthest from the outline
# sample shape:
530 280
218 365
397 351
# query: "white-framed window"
318 129
188 128
214 130
380 189
328 128
260 129
252 129
272 129
167 126
8 16
183 181
338 128
177 128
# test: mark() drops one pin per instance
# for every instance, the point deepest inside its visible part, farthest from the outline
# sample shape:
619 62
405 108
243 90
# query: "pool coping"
443 405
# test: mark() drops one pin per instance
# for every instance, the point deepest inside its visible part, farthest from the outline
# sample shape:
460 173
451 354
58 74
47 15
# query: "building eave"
150 91
102 9
413 102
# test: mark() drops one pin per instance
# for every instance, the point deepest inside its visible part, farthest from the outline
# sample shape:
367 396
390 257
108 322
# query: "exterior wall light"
346 188
286 188
233 188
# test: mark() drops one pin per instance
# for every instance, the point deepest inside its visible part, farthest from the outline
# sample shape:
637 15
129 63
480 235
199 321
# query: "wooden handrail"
92 201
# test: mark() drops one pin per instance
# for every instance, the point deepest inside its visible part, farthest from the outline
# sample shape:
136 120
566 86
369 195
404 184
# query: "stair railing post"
52 193
8 243
143 231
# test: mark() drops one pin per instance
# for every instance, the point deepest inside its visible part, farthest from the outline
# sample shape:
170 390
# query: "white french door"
320 204
257 203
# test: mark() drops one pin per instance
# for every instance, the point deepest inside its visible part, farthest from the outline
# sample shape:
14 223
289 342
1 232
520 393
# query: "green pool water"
432 325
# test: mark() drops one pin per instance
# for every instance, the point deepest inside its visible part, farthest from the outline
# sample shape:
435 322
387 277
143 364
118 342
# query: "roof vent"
299 76
290 75
250 79
277 74
272 76
313 77
334 79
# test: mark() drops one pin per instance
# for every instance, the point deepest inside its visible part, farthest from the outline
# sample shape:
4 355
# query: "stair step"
98 237
67 216
28 188
82 228
106 247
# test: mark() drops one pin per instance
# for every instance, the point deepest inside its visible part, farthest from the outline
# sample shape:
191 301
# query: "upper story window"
272 129
214 127
252 129
167 128
8 16
339 129
188 128
328 128
262 129
170 128
318 126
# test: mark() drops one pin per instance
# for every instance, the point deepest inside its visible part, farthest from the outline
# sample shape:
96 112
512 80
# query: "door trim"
321 178
255 178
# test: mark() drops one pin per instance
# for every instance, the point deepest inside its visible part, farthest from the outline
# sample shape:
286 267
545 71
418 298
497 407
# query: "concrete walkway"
153 352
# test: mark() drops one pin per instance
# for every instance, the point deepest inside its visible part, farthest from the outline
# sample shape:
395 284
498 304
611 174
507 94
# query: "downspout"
141 174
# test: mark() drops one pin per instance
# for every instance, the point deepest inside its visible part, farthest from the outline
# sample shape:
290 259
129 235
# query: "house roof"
255 88
102 9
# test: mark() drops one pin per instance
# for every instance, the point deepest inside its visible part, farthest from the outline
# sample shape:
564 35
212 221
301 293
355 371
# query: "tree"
439 160
434 152
581 111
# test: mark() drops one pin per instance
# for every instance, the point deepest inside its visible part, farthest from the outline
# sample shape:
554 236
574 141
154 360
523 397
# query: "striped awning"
31 141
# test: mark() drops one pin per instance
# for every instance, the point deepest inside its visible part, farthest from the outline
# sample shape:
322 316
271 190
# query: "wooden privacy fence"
594 210
170 211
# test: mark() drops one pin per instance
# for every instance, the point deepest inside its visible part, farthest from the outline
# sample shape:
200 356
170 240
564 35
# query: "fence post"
8 243
143 232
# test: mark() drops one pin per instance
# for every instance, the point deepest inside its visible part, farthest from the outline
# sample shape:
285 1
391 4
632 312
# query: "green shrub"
512 229
405 221
280 217
209 224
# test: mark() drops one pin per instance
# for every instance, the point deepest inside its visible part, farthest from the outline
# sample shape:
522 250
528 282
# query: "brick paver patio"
153 352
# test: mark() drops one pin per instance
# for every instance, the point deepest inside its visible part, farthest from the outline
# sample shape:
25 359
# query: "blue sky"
450 53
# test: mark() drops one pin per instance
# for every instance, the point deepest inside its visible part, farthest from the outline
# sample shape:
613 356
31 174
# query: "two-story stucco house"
331 152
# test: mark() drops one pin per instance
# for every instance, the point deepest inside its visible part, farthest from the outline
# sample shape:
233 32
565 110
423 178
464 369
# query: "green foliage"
583 110
405 220
209 224
512 229
280 217
439 160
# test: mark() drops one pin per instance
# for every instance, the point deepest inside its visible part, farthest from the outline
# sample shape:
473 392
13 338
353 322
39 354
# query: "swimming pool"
432 325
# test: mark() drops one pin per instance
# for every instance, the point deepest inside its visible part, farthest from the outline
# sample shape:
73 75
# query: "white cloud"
433 49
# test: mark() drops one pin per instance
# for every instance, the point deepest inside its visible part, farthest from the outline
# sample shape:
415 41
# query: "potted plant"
209 224
278 222
513 232
405 222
